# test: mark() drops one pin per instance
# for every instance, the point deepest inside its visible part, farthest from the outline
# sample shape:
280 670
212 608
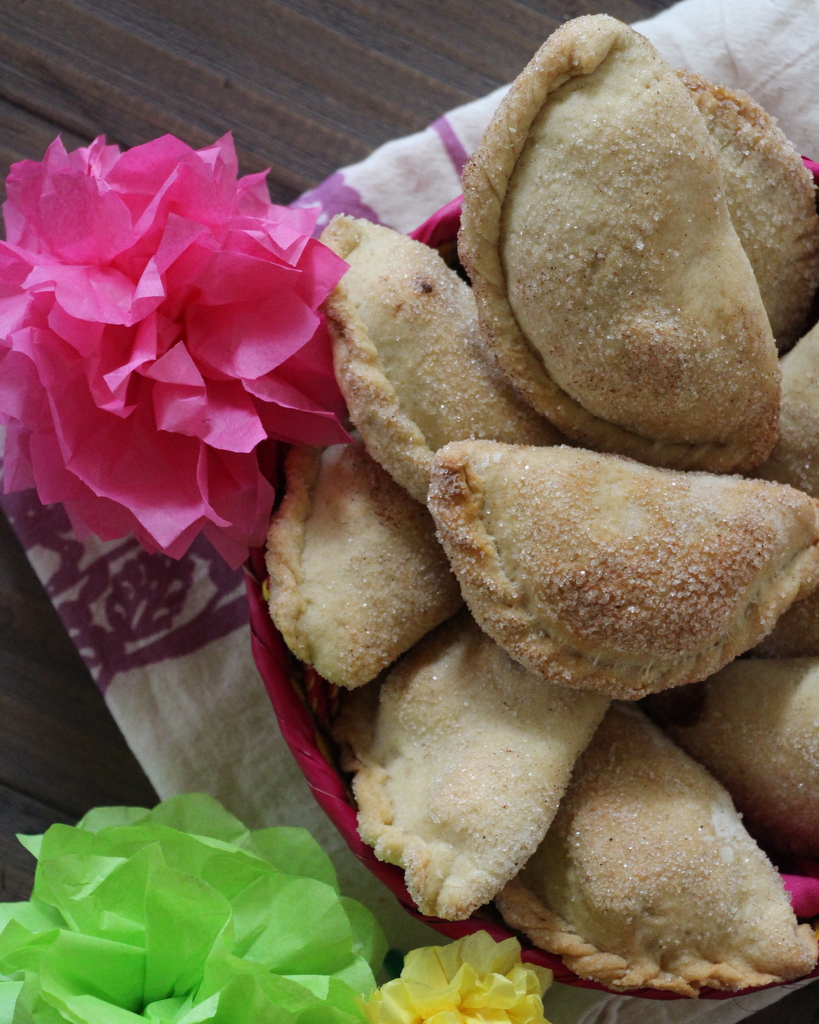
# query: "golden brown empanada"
408 356
611 286
356 574
796 633
771 199
647 877
460 768
755 727
795 459
600 572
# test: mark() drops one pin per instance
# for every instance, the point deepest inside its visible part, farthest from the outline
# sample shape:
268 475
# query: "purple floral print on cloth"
123 608
334 196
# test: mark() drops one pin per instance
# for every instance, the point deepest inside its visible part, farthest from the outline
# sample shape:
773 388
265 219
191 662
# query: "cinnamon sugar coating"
795 458
461 764
611 285
771 199
647 877
602 573
796 633
409 358
755 727
356 574
795 461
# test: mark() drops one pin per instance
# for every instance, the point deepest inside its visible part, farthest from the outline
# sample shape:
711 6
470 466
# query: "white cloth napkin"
168 642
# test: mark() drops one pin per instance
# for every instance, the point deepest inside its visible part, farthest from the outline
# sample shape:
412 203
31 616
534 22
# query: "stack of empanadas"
544 443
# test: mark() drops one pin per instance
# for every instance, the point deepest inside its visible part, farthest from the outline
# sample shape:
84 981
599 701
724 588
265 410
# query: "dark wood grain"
799 1007
21 814
305 86
59 745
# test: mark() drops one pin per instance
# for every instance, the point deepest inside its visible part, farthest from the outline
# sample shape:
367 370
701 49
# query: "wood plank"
135 70
25 136
625 10
21 814
799 1007
78 68
272 48
59 744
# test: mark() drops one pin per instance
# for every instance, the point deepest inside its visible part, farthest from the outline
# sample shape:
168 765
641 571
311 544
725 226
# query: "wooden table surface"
305 86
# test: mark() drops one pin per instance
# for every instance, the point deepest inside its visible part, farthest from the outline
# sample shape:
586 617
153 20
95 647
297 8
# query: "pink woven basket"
305 705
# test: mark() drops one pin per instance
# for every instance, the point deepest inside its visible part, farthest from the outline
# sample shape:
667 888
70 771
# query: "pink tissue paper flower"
159 325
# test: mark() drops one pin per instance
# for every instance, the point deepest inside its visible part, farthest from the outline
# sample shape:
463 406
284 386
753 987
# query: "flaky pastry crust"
409 358
356 574
602 573
795 458
795 461
771 199
755 727
796 633
647 877
460 767
611 286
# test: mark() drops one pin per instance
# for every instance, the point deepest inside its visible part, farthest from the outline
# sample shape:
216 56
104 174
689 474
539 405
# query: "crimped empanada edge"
576 48
438 893
444 883
455 503
284 546
390 436
444 880
522 910
349 666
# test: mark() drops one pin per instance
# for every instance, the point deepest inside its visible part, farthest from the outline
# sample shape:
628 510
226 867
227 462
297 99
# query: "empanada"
356 574
755 727
408 356
647 877
600 572
796 633
460 768
771 199
795 458
611 286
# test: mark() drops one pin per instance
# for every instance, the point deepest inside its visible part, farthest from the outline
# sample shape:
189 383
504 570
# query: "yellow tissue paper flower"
472 981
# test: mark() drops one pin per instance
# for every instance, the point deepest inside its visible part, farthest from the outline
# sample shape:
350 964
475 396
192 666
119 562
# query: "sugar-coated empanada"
795 458
796 633
771 199
647 877
356 574
408 355
600 572
611 286
460 768
755 727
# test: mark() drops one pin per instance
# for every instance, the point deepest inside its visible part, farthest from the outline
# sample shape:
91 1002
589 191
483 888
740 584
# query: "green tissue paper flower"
181 915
